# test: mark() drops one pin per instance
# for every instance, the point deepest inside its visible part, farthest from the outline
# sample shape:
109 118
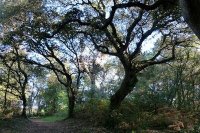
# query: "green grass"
53 118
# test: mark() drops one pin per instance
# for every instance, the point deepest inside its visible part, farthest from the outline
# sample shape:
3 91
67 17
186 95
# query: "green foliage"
55 98
94 110
62 101
12 108
128 118
197 128
158 86
8 11
148 100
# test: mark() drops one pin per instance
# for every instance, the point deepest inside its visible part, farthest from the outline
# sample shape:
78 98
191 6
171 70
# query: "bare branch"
130 29
139 44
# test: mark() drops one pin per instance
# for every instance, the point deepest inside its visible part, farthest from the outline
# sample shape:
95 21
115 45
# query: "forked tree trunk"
127 85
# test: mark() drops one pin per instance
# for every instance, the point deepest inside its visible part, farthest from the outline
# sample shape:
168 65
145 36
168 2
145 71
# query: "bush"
127 118
94 110
130 116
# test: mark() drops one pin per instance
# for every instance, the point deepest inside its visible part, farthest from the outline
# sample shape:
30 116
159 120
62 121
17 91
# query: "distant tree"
173 84
56 54
18 74
37 83
53 101
91 67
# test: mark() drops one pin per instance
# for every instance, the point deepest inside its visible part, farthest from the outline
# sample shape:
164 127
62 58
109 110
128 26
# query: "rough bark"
191 14
72 100
127 85
23 98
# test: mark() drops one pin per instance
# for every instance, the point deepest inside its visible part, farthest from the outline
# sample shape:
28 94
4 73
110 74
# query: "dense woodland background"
124 65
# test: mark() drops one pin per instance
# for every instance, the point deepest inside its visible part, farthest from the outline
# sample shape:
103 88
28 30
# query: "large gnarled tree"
120 29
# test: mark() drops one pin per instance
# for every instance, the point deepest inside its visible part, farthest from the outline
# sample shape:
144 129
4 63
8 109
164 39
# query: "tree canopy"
57 56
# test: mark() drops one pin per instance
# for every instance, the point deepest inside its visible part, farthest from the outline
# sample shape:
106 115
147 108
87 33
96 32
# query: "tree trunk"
71 105
71 102
5 101
24 106
127 85
93 86
190 11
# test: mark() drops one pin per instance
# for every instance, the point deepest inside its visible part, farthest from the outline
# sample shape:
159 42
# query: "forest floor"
64 126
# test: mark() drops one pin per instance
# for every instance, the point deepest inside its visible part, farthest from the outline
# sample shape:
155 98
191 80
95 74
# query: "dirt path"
68 126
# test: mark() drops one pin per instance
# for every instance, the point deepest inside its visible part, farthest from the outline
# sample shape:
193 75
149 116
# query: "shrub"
94 110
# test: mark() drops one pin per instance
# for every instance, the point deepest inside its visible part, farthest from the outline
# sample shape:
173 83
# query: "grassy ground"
50 124
53 118
17 125
14 125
